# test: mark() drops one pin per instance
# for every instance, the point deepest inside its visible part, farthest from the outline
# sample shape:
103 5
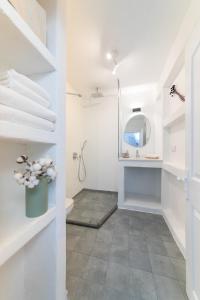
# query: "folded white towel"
12 115
25 91
12 74
13 99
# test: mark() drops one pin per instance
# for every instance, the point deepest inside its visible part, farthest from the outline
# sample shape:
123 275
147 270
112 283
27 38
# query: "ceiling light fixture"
109 56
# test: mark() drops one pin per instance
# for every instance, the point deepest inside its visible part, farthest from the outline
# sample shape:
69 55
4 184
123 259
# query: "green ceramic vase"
37 199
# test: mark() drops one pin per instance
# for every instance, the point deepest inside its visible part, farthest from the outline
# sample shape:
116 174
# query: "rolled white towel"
12 115
25 91
12 74
13 99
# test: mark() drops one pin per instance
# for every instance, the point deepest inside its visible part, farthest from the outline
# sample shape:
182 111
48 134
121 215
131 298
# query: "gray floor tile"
180 269
173 250
75 230
95 271
77 264
105 236
72 241
118 277
101 250
119 250
116 261
168 288
162 265
156 247
112 294
140 260
142 285
85 246
138 243
119 238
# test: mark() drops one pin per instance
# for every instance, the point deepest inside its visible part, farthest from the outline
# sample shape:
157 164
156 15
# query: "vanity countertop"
140 162
139 159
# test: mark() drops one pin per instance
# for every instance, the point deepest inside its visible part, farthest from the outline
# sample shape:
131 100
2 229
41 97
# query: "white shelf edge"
177 233
178 116
20 133
7 9
175 170
20 238
143 203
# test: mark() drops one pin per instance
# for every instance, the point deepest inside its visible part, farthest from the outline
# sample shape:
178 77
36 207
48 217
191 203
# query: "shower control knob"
75 155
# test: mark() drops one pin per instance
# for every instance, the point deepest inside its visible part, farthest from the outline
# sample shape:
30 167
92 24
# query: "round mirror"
137 131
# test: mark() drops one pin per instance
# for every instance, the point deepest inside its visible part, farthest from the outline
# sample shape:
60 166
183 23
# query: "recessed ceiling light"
109 56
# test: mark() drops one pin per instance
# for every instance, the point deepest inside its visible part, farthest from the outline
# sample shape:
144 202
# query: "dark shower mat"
92 208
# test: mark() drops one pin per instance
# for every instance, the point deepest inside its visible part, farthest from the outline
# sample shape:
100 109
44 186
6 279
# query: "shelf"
144 203
24 234
25 134
21 49
174 170
176 229
176 117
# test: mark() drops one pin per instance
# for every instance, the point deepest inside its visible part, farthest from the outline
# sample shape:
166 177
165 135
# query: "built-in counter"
140 184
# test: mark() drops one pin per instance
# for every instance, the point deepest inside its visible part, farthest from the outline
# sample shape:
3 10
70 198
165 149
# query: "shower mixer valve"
75 156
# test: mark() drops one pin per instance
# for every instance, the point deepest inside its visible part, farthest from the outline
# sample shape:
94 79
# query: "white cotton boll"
51 173
43 162
31 185
18 175
36 182
21 181
26 183
36 167
32 178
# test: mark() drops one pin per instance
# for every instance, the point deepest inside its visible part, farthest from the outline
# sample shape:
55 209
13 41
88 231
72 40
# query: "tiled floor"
131 257
91 208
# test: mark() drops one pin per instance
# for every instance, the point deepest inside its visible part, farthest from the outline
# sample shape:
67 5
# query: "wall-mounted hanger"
174 91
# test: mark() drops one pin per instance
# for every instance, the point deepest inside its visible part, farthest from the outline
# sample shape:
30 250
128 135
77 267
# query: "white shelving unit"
174 170
177 171
176 117
33 251
140 202
24 134
29 229
30 54
139 185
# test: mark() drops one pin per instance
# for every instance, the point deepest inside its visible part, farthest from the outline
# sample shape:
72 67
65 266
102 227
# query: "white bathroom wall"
101 153
144 97
74 123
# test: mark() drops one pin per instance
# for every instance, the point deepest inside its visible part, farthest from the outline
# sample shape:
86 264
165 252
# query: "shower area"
92 156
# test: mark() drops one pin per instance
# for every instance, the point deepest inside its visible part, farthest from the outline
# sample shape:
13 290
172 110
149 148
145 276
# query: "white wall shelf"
23 134
174 170
144 203
177 230
12 244
21 49
140 185
178 116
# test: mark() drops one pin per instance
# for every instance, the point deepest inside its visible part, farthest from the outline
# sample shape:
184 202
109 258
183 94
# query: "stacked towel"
25 102
8 114
13 75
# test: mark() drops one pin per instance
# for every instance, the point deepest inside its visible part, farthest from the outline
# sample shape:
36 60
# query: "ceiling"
142 31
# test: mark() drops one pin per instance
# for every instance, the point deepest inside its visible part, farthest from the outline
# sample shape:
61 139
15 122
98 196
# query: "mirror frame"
150 129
